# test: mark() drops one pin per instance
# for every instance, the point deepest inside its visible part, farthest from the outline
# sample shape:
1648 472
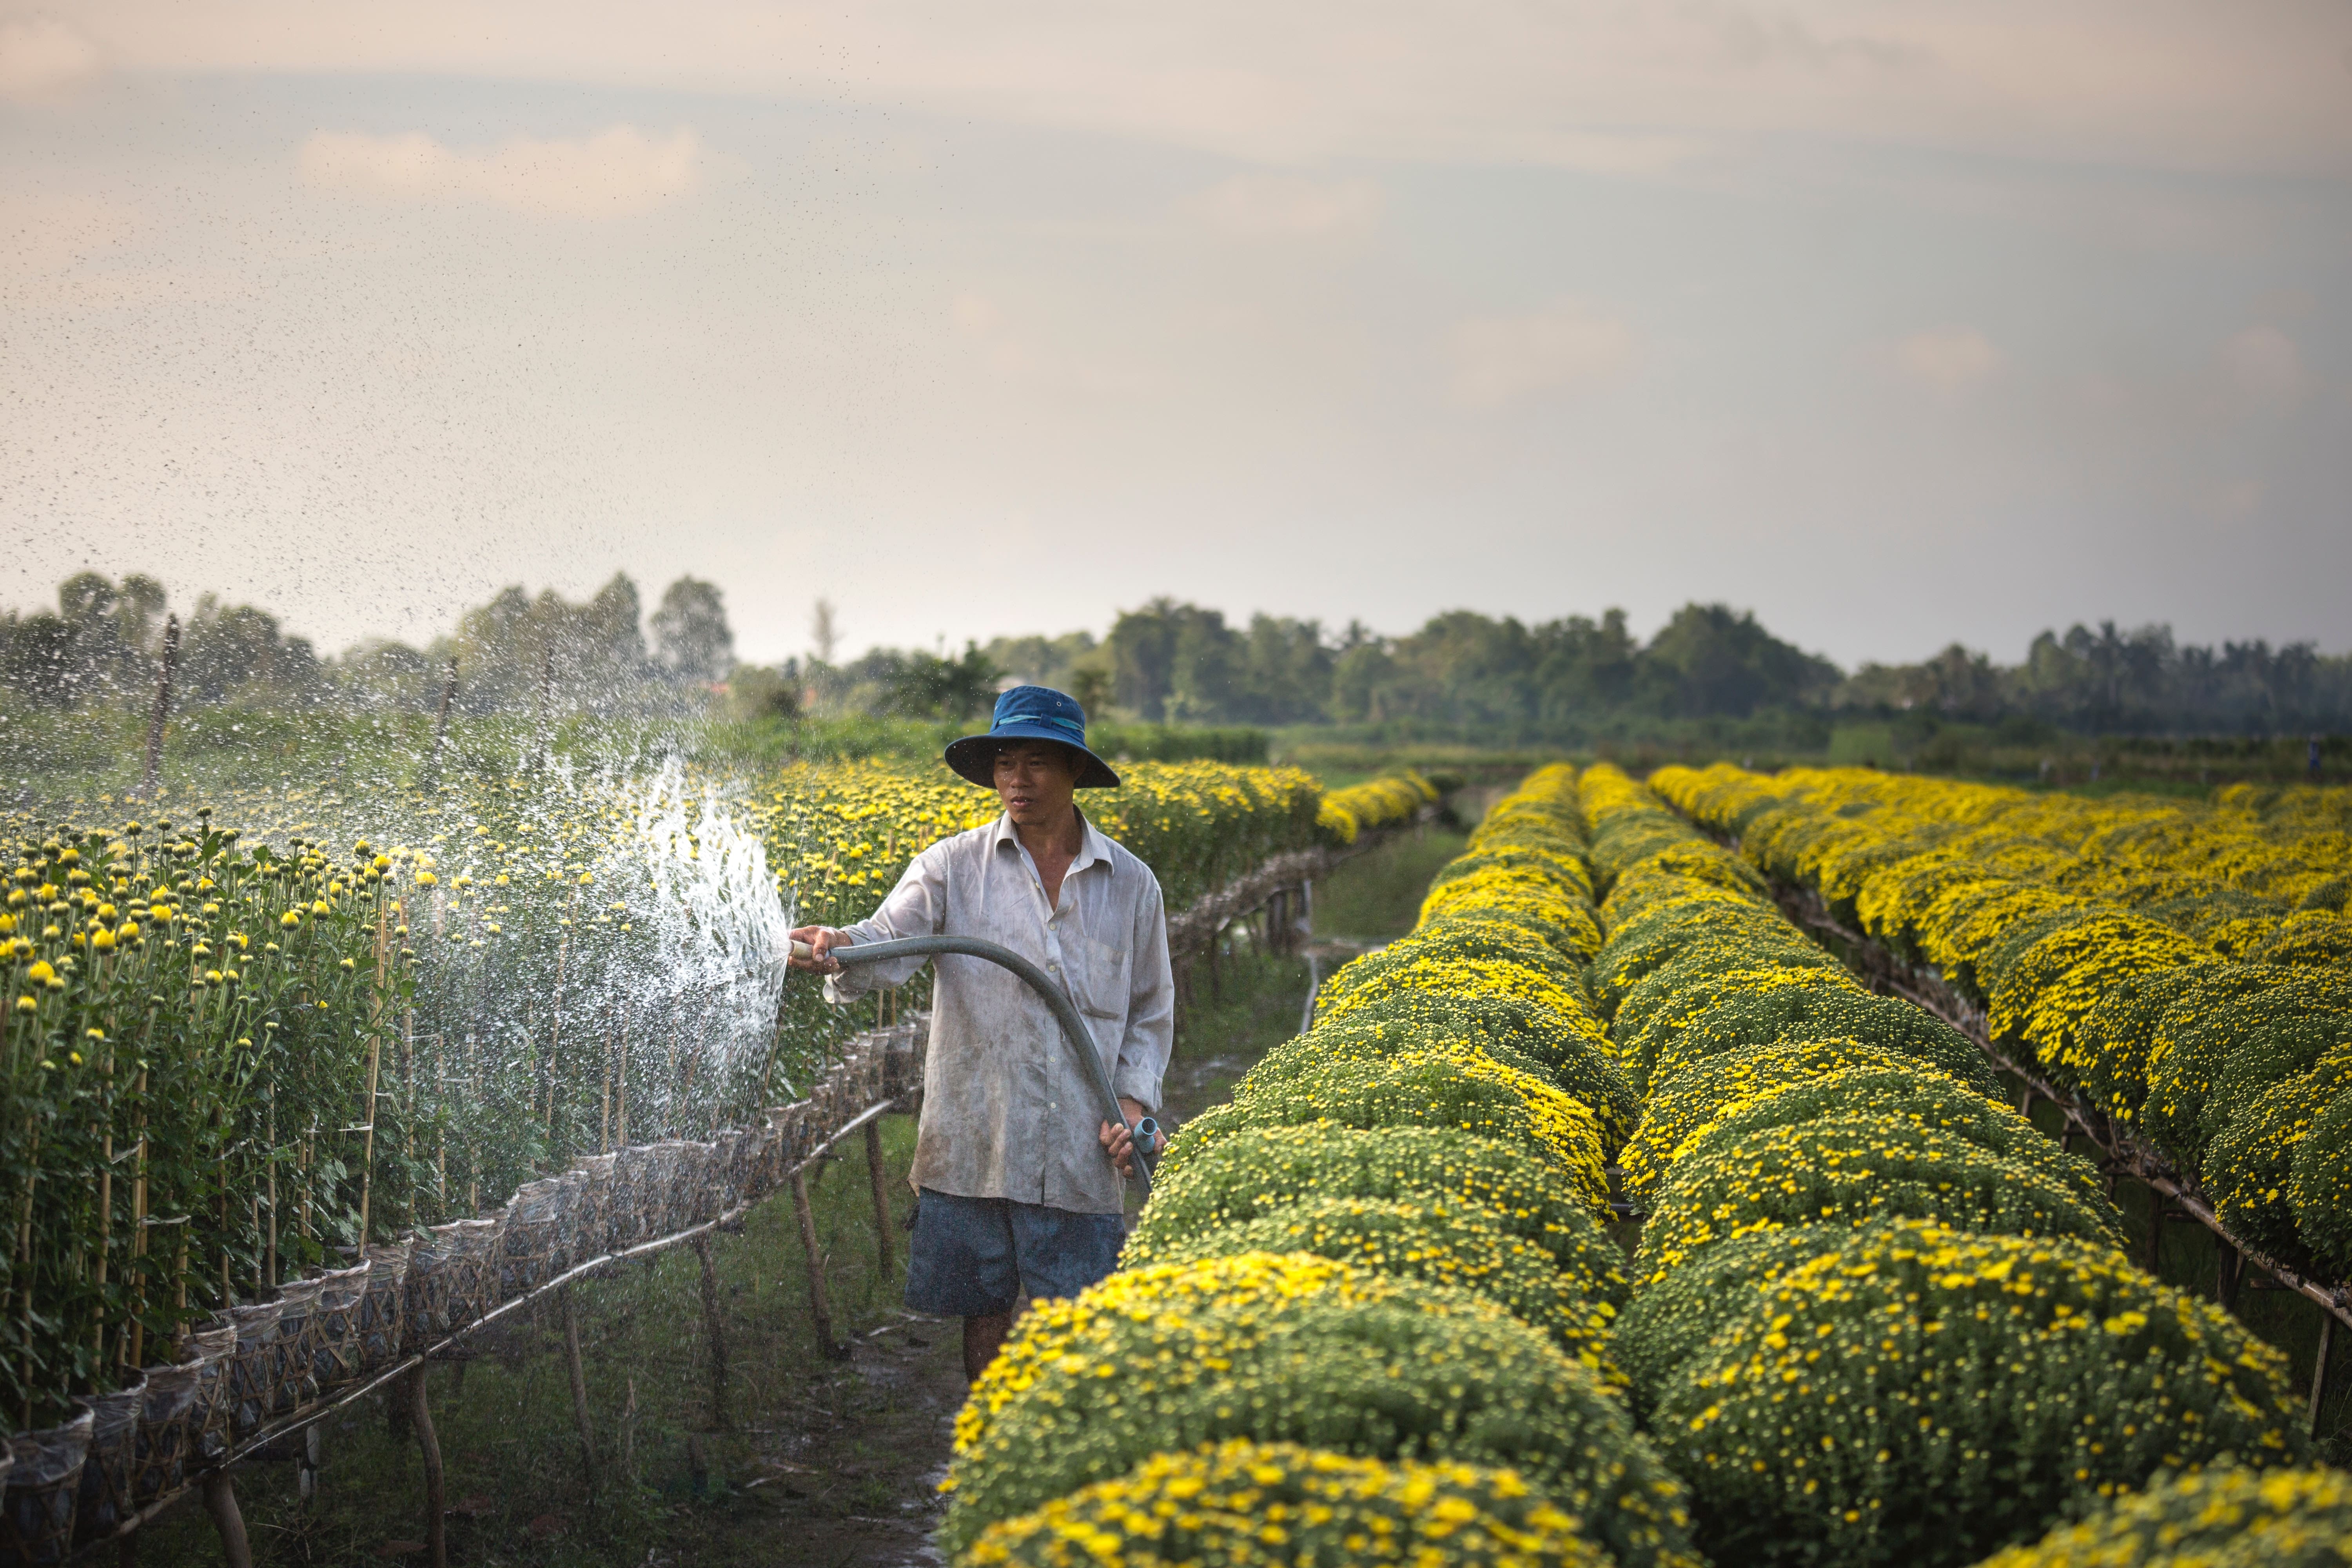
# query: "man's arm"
916 907
1151 1003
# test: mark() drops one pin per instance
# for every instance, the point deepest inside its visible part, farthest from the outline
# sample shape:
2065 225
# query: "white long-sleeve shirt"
1008 1111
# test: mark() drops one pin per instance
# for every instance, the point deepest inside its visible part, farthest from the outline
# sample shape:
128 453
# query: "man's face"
1035 779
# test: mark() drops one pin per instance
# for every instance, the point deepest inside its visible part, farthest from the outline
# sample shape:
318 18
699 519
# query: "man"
1019 1182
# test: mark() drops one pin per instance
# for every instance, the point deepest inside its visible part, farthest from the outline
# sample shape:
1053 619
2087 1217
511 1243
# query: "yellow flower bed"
1240 1504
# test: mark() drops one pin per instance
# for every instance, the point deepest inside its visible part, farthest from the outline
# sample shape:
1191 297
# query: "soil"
847 1476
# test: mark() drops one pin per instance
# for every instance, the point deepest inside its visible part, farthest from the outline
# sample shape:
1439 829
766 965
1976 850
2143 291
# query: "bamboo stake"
135 1340
154 772
715 1330
819 1307
880 1178
579 1385
376 1059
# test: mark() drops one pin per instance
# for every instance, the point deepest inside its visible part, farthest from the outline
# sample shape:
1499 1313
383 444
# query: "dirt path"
847 1477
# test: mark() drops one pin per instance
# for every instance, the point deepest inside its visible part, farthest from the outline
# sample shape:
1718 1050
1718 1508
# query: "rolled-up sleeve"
1151 1003
916 907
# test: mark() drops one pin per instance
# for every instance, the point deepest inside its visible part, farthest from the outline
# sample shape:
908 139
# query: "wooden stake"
220 1501
579 1386
880 1177
375 1061
715 1330
2319 1370
420 1417
155 773
819 1308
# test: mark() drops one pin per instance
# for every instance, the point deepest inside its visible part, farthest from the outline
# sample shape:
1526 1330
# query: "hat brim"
974 756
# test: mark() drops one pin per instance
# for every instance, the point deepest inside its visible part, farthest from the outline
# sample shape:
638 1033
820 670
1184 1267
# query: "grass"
1377 896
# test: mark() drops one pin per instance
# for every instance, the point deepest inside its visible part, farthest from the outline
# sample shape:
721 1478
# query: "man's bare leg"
984 1336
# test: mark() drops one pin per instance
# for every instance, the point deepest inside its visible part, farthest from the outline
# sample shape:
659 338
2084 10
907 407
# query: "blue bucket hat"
1030 713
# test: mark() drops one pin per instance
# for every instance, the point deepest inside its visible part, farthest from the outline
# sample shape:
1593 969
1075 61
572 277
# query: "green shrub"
1689 1099
1442 1241
2250 1169
1923 1396
1461 1089
1801 1011
1689 977
1705 918
2220 1517
2243 1028
1574 1048
1350 1039
1669 1324
1856 1169
1458 938
1232 1180
1300 1349
2315 937
2109 1061
1560 864
1670 872
1271 1505
1911 1093
2321 1189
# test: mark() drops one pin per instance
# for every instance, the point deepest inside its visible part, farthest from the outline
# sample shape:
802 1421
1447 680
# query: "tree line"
1461 674
106 642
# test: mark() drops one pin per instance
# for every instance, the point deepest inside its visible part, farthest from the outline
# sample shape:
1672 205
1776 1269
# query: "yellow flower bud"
41 973
291 920
426 880
26 1005
104 941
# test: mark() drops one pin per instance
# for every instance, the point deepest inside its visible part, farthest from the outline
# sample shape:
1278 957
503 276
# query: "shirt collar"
1092 845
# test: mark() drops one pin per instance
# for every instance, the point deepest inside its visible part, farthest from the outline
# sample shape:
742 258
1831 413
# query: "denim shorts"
974 1256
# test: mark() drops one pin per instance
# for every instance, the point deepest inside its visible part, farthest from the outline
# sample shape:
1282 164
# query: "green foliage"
2240 1030
2321 1189
1444 1241
1461 1089
1680 1105
1671 1322
1817 1010
1858 1168
2250 1169
1923 1099
1921 1395
1231 1181
1299 1350
1273 1505
2223 1516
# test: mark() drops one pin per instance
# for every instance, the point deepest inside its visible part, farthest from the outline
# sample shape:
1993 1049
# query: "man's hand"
822 941
1119 1144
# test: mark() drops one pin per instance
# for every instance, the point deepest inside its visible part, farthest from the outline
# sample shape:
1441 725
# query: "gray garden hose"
1074 1029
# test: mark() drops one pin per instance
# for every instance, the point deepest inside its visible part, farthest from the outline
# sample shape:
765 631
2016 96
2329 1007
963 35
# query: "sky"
1898 323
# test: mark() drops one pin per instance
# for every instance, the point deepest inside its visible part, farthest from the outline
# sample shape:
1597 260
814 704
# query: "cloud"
41 57
2255 85
1947 360
2262 368
614 173
1496 360
1284 206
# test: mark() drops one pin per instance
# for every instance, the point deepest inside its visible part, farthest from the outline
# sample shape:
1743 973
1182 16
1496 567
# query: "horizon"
290 629
2034 314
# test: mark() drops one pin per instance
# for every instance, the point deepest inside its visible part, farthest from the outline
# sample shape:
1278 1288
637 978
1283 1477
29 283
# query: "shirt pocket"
1098 975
